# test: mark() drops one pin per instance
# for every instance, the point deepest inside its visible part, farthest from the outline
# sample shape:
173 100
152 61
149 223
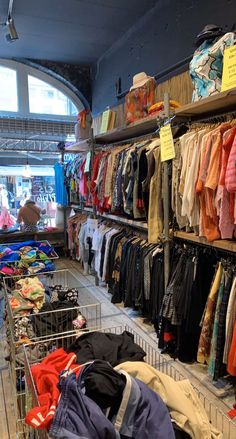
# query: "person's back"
29 215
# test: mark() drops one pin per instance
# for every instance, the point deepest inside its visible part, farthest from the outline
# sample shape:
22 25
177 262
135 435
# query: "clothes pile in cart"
100 387
38 310
29 257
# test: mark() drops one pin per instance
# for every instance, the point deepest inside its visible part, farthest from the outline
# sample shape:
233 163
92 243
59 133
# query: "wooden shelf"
139 128
74 206
213 105
137 224
78 207
122 220
220 244
88 209
82 146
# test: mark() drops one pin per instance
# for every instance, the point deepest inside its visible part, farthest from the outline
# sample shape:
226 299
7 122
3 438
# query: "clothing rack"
130 140
165 117
124 221
217 118
128 227
210 247
91 144
221 117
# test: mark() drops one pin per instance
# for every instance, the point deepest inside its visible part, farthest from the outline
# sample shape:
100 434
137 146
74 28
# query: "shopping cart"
91 313
217 417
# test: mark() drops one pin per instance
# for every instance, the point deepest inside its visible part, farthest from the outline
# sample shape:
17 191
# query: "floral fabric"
138 101
206 66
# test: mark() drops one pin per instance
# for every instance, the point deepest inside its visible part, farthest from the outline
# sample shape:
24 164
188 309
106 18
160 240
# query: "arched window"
8 89
27 92
46 99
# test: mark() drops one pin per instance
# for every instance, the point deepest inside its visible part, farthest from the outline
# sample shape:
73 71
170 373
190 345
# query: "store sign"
167 143
229 69
43 189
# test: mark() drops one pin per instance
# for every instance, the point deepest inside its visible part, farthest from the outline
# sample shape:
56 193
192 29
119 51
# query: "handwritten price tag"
167 143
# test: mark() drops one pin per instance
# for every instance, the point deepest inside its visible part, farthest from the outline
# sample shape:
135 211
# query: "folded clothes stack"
29 257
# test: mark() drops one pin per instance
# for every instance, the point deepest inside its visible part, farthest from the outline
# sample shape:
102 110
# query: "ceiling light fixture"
27 173
11 33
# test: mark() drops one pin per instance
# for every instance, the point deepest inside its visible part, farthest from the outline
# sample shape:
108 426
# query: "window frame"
22 72
17 95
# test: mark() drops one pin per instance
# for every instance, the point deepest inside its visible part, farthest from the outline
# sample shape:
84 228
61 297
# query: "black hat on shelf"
209 32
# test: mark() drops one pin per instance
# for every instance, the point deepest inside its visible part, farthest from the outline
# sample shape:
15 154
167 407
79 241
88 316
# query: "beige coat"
184 406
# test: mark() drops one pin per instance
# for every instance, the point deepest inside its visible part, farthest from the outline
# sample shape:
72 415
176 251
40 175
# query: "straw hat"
139 80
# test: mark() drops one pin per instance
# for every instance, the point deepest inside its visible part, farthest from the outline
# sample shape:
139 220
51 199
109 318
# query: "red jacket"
46 378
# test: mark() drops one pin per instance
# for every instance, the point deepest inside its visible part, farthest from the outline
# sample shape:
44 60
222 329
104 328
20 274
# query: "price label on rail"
167 143
229 69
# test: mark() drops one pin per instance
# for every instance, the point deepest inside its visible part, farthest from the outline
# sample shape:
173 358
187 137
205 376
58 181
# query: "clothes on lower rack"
131 267
74 224
216 340
204 181
198 309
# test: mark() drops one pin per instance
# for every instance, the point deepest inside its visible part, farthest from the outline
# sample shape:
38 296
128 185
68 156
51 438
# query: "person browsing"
29 215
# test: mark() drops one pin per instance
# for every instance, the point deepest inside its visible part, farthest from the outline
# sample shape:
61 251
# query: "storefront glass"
15 190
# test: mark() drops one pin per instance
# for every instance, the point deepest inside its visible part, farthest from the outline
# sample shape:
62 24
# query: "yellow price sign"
167 143
105 121
229 69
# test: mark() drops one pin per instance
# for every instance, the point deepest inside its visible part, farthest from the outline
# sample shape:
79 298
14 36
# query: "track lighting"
11 34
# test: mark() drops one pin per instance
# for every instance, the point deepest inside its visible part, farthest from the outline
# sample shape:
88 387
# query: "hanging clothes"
61 193
77 172
203 189
127 180
155 215
208 321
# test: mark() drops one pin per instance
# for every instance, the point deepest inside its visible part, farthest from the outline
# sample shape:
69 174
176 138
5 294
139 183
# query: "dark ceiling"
73 31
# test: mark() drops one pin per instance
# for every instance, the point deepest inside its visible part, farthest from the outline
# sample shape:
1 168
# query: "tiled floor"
112 316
